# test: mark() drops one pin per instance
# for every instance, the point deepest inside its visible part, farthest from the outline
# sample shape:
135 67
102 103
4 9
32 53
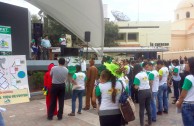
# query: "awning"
78 16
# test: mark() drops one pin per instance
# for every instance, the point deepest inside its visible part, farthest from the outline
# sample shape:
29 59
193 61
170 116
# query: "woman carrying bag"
109 89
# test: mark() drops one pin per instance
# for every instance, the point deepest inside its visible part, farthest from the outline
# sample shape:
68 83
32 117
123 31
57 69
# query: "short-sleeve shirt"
141 79
164 73
80 78
46 43
62 41
177 71
105 91
154 76
188 85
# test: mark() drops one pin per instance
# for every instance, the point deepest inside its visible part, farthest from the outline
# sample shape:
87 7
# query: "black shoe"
159 113
49 118
59 118
166 112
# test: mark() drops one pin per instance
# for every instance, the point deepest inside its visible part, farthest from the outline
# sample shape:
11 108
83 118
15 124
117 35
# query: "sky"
149 10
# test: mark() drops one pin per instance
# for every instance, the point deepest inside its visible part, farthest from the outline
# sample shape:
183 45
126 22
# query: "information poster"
69 40
13 80
5 39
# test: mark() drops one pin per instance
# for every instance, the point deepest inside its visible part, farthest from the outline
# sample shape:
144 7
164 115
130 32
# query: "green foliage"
111 34
54 30
35 18
38 79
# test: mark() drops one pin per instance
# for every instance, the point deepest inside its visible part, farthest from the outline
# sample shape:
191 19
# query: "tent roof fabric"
78 16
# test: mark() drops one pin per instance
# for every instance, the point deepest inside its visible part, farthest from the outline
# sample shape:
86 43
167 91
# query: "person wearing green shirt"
186 98
141 83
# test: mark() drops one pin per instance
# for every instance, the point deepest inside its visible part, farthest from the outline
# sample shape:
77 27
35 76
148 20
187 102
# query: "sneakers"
71 114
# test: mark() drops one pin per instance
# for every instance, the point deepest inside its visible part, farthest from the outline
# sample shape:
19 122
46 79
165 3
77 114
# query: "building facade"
182 31
144 34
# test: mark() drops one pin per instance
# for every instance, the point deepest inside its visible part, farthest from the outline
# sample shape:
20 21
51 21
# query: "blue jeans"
1 120
188 114
153 105
163 98
79 94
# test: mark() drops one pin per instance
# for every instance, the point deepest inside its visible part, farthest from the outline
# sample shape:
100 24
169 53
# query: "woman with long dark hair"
110 91
186 98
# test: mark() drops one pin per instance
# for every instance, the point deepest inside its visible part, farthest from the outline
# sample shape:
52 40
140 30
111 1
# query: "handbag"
126 106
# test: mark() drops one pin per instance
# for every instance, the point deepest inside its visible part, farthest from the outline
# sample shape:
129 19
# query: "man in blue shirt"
46 45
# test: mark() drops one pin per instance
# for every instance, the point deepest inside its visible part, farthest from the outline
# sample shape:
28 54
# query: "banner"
5 39
13 80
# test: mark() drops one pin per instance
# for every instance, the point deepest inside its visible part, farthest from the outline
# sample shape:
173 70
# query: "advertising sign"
5 39
13 80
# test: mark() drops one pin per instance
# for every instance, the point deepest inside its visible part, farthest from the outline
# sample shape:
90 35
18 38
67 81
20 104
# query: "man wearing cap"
63 43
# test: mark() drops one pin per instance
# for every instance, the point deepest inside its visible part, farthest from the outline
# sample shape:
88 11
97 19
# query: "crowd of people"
147 82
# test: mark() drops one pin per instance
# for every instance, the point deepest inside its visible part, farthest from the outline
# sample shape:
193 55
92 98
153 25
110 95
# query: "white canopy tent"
78 16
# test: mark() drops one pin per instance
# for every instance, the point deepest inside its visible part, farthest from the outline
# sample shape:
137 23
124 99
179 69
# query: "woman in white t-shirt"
109 89
186 99
78 81
141 83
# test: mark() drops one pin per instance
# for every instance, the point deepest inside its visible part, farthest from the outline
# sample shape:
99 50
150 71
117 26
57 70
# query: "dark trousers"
62 49
144 97
134 94
176 89
57 92
110 120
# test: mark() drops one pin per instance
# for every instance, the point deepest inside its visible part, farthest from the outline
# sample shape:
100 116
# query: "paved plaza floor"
34 114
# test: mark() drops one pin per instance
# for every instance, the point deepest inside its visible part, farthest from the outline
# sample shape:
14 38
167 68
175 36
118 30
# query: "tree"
111 34
35 18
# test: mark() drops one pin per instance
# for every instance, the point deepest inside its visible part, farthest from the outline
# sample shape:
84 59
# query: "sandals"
71 114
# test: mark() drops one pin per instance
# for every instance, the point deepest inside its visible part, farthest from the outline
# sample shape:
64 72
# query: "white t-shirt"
80 78
124 80
105 90
176 70
154 76
189 86
141 79
164 73
62 41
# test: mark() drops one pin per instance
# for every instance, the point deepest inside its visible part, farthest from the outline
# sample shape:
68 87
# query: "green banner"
5 30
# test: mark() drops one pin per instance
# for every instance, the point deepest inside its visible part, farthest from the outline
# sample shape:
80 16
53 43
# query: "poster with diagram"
14 86
5 39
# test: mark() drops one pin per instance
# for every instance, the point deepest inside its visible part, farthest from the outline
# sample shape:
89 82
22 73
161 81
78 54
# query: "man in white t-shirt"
163 88
154 83
63 43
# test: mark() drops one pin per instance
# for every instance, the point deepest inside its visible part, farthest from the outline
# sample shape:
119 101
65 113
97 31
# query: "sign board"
5 39
13 80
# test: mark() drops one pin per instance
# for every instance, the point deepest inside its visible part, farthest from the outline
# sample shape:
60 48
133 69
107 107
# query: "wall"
149 32
18 19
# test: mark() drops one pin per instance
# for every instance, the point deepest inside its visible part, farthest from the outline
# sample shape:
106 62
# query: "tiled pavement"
34 114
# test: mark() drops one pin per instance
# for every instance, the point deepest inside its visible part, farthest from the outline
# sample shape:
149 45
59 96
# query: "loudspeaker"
37 30
70 52
87 36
